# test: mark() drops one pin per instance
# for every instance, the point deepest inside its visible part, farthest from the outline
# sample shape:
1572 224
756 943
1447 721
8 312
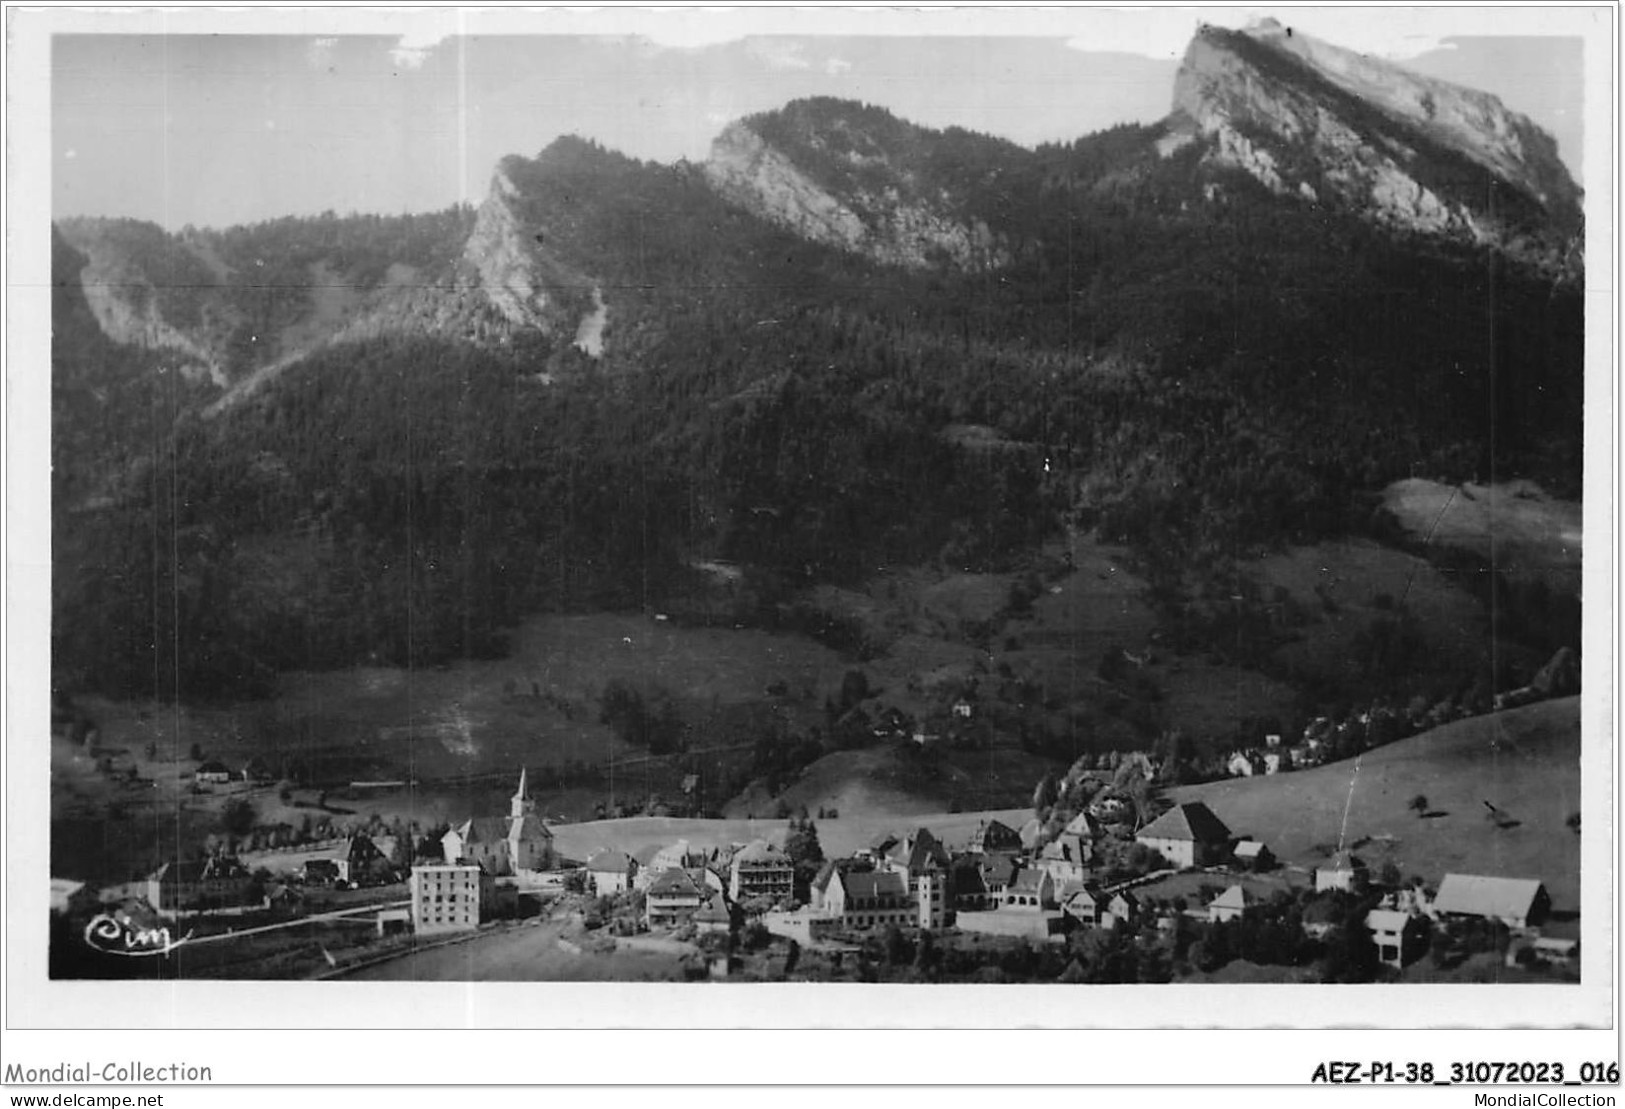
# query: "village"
1102 883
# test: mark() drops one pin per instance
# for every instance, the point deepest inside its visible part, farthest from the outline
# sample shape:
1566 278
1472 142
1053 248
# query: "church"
504 846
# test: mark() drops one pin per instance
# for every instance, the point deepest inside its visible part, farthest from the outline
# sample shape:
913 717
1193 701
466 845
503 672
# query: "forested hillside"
1172 355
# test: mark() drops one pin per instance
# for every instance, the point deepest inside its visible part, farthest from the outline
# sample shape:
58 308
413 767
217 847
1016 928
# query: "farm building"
1188 835
1516 902
212 773
1254 855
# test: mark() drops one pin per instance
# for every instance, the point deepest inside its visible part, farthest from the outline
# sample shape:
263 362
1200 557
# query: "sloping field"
1338 590
1525 762
1516 526
898 782
1098 606
837 837
539 706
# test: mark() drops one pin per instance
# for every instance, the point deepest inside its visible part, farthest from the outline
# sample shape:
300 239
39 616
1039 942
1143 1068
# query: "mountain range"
843 341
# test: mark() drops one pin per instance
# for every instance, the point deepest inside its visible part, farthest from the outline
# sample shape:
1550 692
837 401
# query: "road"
526 953
300 921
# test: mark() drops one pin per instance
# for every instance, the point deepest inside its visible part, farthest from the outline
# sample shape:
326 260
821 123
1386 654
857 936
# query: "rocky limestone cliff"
511 265
1419 155
1473 122
883 225
125 306
502 257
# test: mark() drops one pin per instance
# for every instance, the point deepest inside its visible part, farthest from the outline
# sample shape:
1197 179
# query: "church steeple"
521 805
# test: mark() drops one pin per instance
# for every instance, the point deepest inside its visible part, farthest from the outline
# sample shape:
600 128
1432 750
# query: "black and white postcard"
611 517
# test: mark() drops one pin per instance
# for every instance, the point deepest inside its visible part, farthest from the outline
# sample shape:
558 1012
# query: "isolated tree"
801 844
1044 796
1419 804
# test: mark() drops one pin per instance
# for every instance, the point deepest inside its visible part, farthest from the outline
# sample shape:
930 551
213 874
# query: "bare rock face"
500 255
1409 152
751 174
884 224
123 301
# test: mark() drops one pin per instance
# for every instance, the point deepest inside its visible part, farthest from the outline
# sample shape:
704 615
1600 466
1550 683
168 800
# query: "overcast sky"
232 127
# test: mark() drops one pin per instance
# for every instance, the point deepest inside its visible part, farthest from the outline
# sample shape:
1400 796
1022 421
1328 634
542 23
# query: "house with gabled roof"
819 887
1230 904
673 897
1518 903
611 871
1032 890
1343 871
1188 835
1399 936
1085 906
1254 855
645 858
1122 907
870 899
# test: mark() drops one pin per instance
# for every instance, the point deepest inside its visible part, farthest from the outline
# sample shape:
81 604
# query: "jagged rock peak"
854 177
1309 118
1474 122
